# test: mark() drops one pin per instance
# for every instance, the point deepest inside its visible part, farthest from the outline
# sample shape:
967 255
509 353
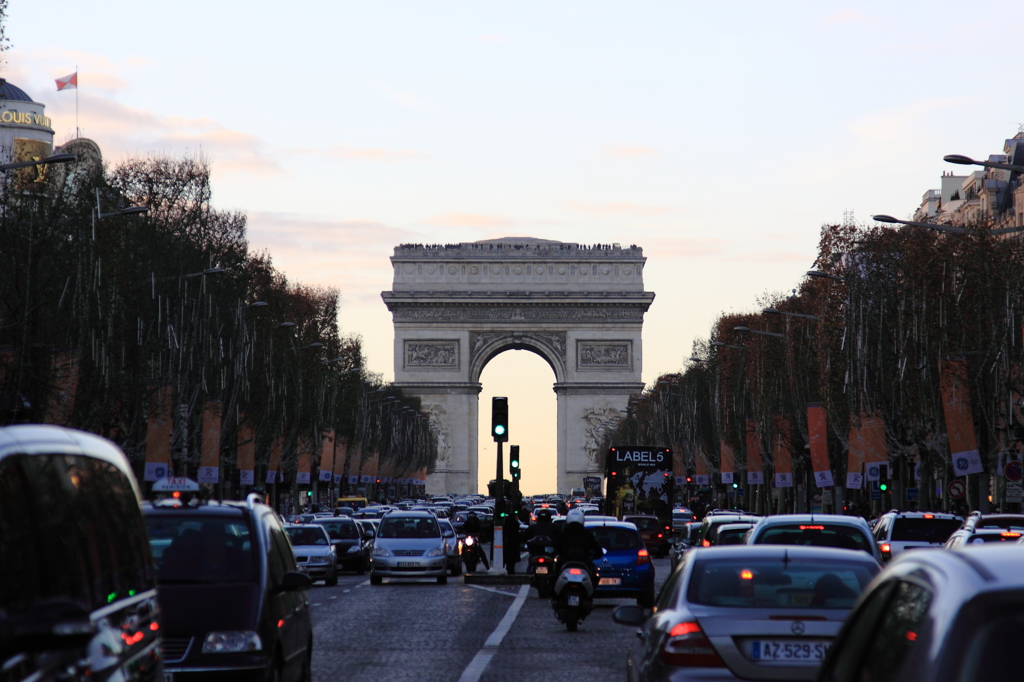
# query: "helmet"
574 516
544 515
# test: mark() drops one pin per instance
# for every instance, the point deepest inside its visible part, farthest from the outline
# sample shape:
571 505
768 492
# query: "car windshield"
761 583
923 530
341 530
614 539
650 524
816 535
302 537
197 549
408 528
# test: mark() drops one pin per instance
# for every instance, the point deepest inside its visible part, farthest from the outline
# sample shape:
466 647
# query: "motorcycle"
473 553
573 594
542 564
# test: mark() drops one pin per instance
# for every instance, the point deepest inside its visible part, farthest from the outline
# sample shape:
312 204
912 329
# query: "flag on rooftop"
68 82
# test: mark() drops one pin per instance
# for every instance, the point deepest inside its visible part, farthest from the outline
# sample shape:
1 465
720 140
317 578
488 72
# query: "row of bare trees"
101 310
865 336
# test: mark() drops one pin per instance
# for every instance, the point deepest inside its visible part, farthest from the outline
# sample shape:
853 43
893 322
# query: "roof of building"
9 91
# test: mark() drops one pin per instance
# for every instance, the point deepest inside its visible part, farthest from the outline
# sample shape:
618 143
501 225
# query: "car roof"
411 514
42 439
608 524
321 519
639 516
226 509
794 552
839 519
994 566
303 525
921 514
735 526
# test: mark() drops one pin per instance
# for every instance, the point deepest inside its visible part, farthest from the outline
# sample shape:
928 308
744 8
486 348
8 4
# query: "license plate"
541 569
610 581
168 677
789 650
574 600
407 564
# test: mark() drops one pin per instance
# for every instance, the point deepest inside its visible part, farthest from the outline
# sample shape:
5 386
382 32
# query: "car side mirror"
294 582
630 614
448 533
604 551
671 541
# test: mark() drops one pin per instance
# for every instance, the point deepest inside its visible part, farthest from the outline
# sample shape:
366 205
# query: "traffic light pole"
497 546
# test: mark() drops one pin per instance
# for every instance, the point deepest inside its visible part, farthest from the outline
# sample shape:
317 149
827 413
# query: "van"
356 503
78 593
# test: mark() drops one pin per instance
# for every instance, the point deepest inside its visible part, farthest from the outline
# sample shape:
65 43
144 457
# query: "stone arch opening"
488 345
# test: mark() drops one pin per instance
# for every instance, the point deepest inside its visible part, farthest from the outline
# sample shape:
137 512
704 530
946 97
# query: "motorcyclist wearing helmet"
471 526
577 543
542 533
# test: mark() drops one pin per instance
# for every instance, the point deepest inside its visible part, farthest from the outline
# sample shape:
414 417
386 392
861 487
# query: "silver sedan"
743 612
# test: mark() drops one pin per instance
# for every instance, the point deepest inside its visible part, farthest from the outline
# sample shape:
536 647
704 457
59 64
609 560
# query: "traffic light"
883 486
513 462
735 485
309 493
499 419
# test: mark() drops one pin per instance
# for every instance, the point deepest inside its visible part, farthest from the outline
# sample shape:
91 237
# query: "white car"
815 530
314 553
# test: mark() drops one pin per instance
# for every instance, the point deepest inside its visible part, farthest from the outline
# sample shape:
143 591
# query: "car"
652 531
408 545
680 517
816 530
897 531
351 542
709 526
731 534
682 542
314 554
742 612
936 617
625 570
233 602
453 546
968 538
79 598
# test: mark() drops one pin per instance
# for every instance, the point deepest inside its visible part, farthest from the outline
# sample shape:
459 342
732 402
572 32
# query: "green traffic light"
883 487
499 430
514 464
735 485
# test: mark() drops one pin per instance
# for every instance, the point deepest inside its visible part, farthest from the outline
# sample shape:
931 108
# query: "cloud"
630 152
849 16
467 220
616 208
491 38
358 154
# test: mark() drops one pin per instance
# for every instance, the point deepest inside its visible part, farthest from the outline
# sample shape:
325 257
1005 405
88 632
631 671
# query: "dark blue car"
626 569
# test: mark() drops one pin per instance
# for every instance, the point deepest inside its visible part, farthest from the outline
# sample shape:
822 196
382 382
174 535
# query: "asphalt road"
417 630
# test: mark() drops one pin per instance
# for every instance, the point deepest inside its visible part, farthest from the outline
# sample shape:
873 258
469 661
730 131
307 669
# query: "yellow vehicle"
354 502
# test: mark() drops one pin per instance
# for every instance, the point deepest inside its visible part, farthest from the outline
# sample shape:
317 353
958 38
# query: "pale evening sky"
717 136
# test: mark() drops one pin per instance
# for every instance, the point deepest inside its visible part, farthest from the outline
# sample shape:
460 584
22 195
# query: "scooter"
542 564
573 594
473 553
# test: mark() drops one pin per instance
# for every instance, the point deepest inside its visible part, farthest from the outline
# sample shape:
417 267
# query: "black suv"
232 603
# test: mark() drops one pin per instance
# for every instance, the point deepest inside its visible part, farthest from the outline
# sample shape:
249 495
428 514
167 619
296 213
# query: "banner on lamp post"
209 444
782 449
755 465
158 435
817 434
956 407
728 460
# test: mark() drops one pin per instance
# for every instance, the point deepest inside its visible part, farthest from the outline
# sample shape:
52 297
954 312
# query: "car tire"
442 579
363 565
307 665
458 568
376 579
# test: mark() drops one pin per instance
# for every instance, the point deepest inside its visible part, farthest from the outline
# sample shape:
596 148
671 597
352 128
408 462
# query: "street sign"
876 494
826 496
1013 471
912 494
1014 492
957 489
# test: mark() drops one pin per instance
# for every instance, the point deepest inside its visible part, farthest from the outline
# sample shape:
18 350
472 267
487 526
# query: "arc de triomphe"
457 306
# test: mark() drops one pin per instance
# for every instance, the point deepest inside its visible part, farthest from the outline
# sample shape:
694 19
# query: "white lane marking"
344 591
363 584
475 670
492 589
335 597
317 604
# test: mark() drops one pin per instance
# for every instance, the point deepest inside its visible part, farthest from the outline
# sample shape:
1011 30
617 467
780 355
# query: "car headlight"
319 559
231 642
437 551
380 551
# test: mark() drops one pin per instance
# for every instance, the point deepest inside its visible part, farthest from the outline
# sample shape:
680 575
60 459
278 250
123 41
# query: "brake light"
812 527
643 557
541 560
746 574
154 626
705 543
1010 535
886 548
660 536
575 571
687 645
929 516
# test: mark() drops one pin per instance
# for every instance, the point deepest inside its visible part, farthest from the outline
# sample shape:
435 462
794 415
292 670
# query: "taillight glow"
1010 535
705 543
885 547
812 527
643 557
746 574
575 571
154 626
929 516
541 560
687 645
911 636
280 623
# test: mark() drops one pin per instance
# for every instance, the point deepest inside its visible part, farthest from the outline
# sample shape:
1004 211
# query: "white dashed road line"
476 667
495 590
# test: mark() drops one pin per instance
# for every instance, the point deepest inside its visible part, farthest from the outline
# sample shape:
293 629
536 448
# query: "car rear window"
201 549
408 528
815 535
304 537
923 530
341 530
994 537
731 536
745 583
613 539
647 524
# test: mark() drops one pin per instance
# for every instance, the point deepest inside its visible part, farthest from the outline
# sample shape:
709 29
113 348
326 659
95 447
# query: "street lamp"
968 161
285 325
757 331
257 304
56 158
804 316
207 271
719 344
825 275
952 229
